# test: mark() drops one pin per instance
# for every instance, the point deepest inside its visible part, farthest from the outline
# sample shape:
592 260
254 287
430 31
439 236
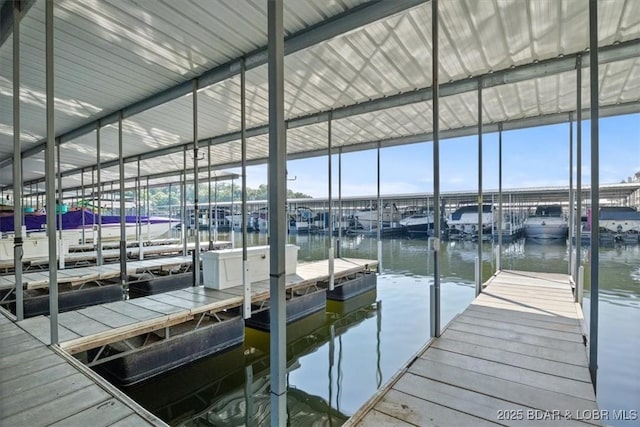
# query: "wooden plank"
35 379
101 415
39 327
539 380
81 324
512 336
128 309
52 390
532 350
59 408
542 293
44 359
424 413
539 317
167 298
106 316
565 370
469 402
542 322
18 358
526 299
376 418
499 388
522 329
527 308
154 305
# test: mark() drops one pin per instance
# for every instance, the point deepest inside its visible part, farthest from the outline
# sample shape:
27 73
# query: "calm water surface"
337 360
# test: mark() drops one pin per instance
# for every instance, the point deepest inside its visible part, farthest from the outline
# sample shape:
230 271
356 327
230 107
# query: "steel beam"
330 202
595 194
98 242
435 68
17 162
243 204
11 13
351 19
500 216
196 210
571 213
480 202
51 176
123 229
578 165
277 199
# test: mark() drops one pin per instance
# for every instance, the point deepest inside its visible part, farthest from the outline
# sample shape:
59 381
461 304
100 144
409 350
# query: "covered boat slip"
42 386
516 355
97 326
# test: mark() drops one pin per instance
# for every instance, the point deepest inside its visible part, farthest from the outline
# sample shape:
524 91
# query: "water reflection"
337 360
233 388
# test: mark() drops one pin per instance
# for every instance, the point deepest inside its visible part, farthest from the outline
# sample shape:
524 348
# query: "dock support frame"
196 210
17 167
435 289
595 192
50 175
480 202
277 200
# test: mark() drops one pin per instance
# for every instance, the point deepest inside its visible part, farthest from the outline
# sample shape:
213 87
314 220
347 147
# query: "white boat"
368 217
548 222
620 219
464 220
419 224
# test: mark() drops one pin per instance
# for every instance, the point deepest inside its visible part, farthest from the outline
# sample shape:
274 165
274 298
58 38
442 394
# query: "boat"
74 222
548 222
419 224
463 222
368 217
620 223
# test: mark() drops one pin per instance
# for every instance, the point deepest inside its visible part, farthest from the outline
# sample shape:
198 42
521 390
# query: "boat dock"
98 325
41 385
80 256
41 373
517 354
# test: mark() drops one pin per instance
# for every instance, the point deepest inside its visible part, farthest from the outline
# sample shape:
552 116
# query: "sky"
531 157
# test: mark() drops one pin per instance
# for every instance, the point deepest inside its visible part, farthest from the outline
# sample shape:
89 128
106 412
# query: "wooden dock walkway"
41 386
95 326
515 356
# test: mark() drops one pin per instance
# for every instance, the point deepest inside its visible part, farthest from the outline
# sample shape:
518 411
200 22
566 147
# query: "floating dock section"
40 386
516 355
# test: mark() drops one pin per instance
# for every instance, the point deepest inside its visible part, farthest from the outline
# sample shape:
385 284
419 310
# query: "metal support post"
500 213
380 209
61 202
210 210
49 172
138 214
580 285
98 241
243 204
595 193
578 162
17 168
123 228
196 210
478 276
183 205
480 202
571 213
338 244
331 243
83 237
435 67
277 199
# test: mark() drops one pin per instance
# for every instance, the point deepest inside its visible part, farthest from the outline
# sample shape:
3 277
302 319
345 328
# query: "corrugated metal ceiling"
111 53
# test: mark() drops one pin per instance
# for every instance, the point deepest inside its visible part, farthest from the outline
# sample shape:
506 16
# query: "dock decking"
40 386
98 325
516 353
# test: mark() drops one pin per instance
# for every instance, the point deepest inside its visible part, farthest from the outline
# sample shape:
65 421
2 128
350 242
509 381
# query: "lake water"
337 360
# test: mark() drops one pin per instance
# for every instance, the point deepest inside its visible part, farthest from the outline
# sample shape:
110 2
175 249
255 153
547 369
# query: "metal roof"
366 62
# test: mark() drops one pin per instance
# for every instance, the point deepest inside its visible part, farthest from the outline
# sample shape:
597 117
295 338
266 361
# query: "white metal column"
277 226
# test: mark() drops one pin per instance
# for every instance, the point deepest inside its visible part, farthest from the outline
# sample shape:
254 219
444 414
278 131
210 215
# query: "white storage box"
223 269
